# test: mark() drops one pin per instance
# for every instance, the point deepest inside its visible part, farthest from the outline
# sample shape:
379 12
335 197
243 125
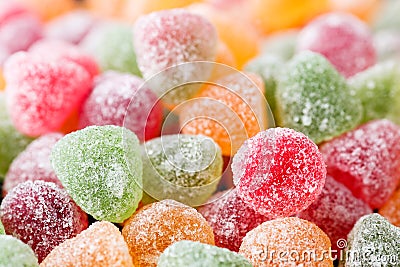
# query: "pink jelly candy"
335 211
279 172
123 100
366 160
343 39
42 93
230 218
33 163
42 215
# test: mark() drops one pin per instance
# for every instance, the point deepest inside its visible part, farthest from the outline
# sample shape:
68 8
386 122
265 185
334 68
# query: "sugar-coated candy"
111 45
101 245
335 211
33 163
373 242
390 210
379 91
42 215
239 111
343 39
279 172
123 100
189 253
287 241
313 98
366 160
2 231
186 168
387 44
230 218
281 44
42 93
158 225
48 9
16 253
101 169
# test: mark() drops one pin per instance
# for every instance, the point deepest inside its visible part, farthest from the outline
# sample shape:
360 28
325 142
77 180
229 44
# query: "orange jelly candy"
100 245
158 225
238 113
48 9
391 209
288 241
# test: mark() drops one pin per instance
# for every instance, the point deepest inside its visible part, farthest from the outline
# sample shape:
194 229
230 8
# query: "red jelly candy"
343 39
230 218
41 215
366 160
33 163
279 172
335 211
42 93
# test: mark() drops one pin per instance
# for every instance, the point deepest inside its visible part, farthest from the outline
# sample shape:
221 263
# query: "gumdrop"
123 100
230 218
41 215
101 245
313 98
186 168
42 93
343 39
101 169
287 241
278 172
157 226
390 210
281 44
366 160
16 253
2 231
373 242
189 253
335 211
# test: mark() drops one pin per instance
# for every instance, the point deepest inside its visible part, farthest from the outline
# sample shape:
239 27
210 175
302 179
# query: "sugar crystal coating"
33 163
390 210
373 242
279 172
366 160
101 169
101 245
287 241
158 225
41 215
230 218
16 253
2 231
189 253
313 98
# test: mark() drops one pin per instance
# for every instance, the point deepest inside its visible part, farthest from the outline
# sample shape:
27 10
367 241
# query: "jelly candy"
16 253
390 210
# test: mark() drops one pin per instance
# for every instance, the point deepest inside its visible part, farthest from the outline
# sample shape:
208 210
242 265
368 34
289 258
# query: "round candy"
101 169
16 253
335 211
287 242
366 160
98 246
281 44
313 98
42 93
390 210
158 225
278 172
343 39
186 168
2 231
41 215
33 163
230 218
122 100
189 253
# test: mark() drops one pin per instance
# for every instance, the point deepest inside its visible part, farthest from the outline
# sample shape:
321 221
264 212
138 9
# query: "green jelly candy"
281 44
196 254
378 88
112 47
186 168
373 242
15 253
101 169
313 98
12 142
2 232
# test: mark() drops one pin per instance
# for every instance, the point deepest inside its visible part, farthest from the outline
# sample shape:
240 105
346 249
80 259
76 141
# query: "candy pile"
199 133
